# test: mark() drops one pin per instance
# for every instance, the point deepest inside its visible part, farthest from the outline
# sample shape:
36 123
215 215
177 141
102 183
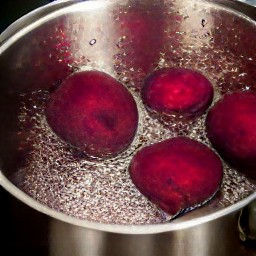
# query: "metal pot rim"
17 27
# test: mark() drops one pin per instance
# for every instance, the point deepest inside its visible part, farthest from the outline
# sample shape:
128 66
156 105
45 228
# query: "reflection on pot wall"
218 237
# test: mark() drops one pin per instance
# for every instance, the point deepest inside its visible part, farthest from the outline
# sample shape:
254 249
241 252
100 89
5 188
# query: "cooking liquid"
68 181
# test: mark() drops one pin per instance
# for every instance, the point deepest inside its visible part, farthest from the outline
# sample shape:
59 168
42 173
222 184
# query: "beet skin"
93 112
177 174
231 128
177 92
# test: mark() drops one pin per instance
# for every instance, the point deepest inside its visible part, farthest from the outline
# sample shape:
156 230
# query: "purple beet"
177 174
231 128
93 112
177 92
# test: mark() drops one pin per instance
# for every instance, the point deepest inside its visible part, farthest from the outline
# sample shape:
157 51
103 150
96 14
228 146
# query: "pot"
41 49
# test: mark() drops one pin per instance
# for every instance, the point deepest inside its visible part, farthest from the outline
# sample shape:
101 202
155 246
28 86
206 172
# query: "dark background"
23 230
10 10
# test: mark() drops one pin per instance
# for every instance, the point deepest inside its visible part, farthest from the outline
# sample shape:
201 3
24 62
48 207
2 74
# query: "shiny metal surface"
191 235
247 223
218 237
62 28
33 16
251 2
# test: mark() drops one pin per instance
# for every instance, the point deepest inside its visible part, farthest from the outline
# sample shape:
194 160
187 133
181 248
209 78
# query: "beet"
93 112
231 128
177 92
177 174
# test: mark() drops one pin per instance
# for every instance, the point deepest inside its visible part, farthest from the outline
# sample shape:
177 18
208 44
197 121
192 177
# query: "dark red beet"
231 128
177 92
93 112
177 175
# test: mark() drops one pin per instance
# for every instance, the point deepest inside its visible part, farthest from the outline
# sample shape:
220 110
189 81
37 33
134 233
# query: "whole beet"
231 128
177 174
93 112
178 92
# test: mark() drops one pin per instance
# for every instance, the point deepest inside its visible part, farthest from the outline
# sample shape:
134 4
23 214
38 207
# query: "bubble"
92 42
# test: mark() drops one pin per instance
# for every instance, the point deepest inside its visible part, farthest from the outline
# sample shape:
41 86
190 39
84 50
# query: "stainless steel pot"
43 47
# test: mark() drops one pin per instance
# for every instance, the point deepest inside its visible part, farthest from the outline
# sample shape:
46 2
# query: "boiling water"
66 180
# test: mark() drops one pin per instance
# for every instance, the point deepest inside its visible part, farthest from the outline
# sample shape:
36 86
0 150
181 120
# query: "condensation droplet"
203 22
92 42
